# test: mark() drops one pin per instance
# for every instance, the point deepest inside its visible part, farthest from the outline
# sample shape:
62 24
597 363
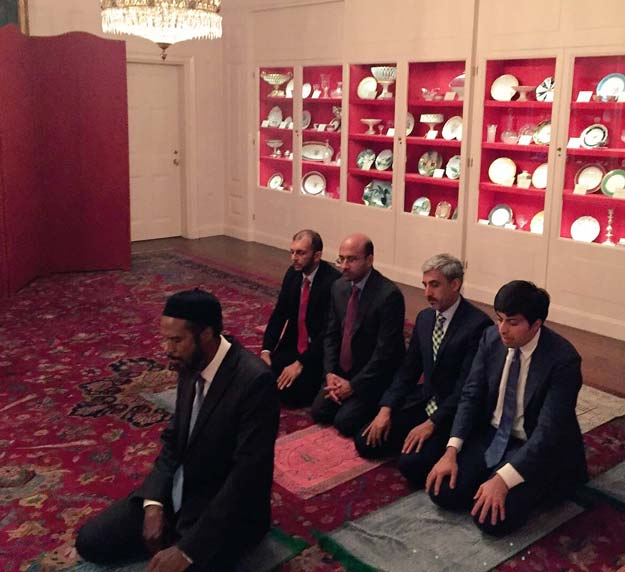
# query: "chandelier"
163 22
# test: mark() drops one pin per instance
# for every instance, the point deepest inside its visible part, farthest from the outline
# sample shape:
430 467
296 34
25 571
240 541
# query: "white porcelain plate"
367 88
539 177
538 223
502 171
612 85
429 162
443 209
275 117
316 151
542 135
545 88
289 88
409 123
378 194
590 176
585 229
306 119
612 182
306 90
594 136
275 181
365 159
422 206
313 183
502 88
452 170
384 160
453 128
500 215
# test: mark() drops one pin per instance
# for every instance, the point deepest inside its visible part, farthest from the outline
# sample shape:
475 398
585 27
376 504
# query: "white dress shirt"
448 314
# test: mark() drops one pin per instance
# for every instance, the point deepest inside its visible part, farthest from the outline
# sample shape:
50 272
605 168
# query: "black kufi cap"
196 306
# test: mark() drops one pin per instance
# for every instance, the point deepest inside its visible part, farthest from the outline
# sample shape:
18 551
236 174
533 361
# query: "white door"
154 126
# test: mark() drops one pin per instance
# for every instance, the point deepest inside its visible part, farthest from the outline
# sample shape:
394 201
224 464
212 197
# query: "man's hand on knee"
153 526
171 559
446 467
491 497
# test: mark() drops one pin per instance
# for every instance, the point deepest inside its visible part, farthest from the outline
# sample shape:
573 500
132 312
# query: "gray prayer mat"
611 483
165 400
275 549
414 535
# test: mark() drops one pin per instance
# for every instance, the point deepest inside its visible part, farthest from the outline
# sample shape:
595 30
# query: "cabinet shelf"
533 148
321 166
276 159
371 173
276 130
602 152
519 104
332 100
364 137
274 98
437 103
596 105
322 134
373 102
514 190
416 178
423 141
592 198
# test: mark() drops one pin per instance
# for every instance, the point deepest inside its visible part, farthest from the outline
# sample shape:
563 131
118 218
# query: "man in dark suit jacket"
415 418
207 497
293 341
364 342
515 440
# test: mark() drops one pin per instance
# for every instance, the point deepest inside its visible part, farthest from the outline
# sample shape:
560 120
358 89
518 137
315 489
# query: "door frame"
188 182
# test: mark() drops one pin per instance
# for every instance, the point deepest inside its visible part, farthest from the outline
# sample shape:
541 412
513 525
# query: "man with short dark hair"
364 342
515 440
293 340
415 418
207 497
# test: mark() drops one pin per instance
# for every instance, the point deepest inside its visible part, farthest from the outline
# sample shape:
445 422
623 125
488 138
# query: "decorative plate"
367 88
453 128
306 119
409 123
500 215
542 135
422 206
537 223
334 125
365 159
288 121
429 162
384 160
585 229
502 88
502 171
313 183
546 86
454 216
612 85
275 181
316 151
594 136
452 170
612 182
539 176
289 88
275 117
378 194
306 90
590 176
443 210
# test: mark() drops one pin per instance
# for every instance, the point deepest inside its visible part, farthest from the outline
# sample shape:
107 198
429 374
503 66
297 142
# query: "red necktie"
345 360
302 330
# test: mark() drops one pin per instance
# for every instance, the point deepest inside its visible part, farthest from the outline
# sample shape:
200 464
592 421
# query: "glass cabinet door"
434 126
516 134
371 134
275 140
594 178
321 122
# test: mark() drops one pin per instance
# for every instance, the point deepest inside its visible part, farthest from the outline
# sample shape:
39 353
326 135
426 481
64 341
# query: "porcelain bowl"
384 73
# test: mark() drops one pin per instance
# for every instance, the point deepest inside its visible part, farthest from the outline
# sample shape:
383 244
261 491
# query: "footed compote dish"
371 123
523 90
385 76
275 80
431 119
275 145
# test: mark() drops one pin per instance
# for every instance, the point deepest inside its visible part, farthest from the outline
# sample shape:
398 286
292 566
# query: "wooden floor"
603 358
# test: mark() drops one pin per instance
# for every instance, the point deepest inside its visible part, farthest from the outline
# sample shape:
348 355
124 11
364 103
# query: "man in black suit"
515 440
293 341
415 418
364 342
207 497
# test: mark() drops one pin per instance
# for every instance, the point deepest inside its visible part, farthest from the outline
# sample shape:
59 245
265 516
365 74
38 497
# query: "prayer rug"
275 549
317 459
596 407
611 484
414 535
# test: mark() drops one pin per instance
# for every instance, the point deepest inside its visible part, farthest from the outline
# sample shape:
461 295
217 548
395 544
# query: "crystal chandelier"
164 22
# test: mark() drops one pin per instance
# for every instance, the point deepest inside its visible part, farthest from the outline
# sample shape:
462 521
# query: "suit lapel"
365 297
499 360
452 328
186 396
428 328
539 367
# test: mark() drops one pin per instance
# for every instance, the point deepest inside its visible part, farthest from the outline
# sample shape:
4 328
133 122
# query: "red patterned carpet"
76 354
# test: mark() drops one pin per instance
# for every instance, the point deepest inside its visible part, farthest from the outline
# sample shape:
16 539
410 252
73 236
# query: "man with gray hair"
415 418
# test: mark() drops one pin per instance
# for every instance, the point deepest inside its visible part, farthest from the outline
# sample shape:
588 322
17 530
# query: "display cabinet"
593 209
275 139
321 122
515 137
371 134
434 127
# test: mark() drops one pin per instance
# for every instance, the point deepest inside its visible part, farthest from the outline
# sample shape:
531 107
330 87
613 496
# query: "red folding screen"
64 180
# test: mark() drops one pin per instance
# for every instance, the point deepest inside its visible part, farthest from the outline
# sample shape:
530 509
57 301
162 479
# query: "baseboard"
206 230
240 232
588 322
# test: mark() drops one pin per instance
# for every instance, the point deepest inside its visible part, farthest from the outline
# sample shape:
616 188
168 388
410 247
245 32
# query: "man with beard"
207 497
293 341
415 418
364 341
